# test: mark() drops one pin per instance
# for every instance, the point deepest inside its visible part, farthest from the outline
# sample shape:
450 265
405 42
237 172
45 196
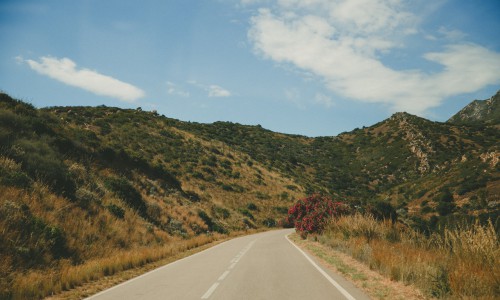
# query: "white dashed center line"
223 275
233 262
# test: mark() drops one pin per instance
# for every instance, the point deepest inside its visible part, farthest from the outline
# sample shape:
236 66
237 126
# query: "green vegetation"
81 186
88 182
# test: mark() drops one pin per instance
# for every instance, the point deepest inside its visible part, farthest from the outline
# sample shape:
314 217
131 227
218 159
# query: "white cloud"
452 34
249 2
293 96
217 91
174 89
324 100
65 70
213 90
346 42
19 59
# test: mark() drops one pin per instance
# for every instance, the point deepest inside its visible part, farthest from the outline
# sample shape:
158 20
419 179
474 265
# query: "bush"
16 178
247 213
212 226
116 211
311 214
37 242
269 222
85 197
445 196
252 206
40 161
383 210
221 212
445 208
192 196
126 192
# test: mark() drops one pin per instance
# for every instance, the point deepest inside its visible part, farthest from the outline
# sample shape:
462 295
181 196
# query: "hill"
84 184
479 112
81 184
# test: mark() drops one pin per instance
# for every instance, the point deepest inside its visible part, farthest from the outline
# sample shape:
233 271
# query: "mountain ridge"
131 179
479 112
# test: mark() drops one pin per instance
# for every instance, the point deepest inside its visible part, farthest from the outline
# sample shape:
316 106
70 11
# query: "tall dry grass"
38 284
460 263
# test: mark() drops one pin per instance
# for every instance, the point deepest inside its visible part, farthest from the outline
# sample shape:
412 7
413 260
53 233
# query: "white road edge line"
210 291
330 279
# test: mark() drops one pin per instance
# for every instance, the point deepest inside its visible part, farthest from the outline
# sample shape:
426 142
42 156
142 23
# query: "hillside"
83 184
80 184
405 160
479 112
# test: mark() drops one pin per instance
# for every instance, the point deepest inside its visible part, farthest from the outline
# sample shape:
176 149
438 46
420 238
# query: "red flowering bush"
311 214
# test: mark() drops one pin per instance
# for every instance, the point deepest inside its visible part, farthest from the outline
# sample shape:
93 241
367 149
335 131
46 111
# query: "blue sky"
309 67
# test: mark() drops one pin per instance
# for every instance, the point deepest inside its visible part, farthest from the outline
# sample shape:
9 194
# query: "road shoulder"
369 281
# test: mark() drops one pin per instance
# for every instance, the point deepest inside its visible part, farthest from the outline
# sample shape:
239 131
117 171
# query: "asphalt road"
260 266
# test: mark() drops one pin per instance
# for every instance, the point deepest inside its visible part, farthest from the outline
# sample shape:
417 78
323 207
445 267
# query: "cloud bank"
345 44
65 70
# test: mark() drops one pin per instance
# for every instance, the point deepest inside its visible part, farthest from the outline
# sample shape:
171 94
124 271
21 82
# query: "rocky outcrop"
485 112
418 144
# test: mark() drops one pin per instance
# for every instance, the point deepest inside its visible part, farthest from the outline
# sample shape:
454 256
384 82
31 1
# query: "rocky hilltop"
479 112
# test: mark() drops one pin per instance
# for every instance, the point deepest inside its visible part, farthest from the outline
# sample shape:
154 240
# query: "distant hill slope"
479 112
79 183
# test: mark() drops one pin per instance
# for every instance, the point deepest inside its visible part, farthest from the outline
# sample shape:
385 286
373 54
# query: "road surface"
260 266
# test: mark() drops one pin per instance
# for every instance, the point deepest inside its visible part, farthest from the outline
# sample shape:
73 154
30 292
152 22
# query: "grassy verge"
77 281
371 282
458 263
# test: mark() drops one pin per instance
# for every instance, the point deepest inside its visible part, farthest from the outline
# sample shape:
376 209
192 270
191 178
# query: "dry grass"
371 282
461 263
101 244
39 284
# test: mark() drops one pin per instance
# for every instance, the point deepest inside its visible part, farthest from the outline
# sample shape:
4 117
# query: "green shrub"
426 209
85 197
40 161
198 175
221 212
127 193
226 164
16 178
281 209
227 187
383 210
262 196
445 208
175 227
212 225
247 213
211 161
116 211
37 242
445 196
192 196
252 206
269 222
